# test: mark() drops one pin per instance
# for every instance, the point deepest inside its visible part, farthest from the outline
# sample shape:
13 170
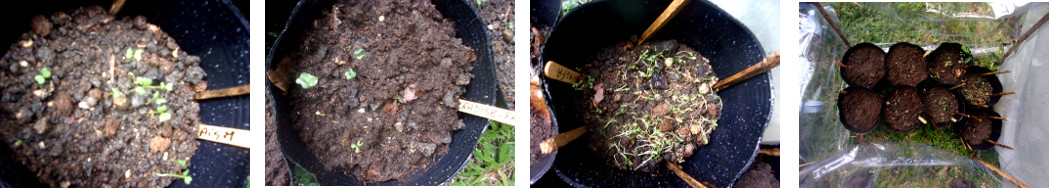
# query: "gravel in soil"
902 108
940 105
276 168
91 100
860 109
648 104
499 15
865 66
977 129
389 74
977 89
947 65
904 65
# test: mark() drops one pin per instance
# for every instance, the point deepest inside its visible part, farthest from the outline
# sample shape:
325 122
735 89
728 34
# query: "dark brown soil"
960 183
947 66
902 108
759 175
399 112
648 104
905 65
541 123
860 109
977 129
977 89
866 66
940 105
74 130
276 168
499 15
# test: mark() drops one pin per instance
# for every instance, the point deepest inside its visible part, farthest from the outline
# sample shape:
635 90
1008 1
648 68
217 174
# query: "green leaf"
140 90
116 92
186 178
359 54
165 117
180 162
39 79
129 55
162 101
306 80
18 142
162 109
350 74
143 81
138 56
45 72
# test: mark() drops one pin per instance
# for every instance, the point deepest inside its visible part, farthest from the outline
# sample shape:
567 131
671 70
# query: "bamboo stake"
226 92
1024 37
832 24
684 176
551 144
980 105
764 66
999 118
922 120
1000 172
995 72
997 144
957 86
769 152
840 64
1003 94
115 8
667 14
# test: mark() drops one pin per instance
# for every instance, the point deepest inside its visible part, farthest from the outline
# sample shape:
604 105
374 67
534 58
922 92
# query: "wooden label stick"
226 92
551 144
488 112
225 135
561 73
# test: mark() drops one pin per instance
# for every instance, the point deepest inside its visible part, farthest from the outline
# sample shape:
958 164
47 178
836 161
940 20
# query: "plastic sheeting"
897 164
1027 111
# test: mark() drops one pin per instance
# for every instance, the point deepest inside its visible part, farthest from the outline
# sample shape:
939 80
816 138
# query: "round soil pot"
865 64
468 26
977 89
946 64
981 127
902 108
942 105
904 65
726 43
859 109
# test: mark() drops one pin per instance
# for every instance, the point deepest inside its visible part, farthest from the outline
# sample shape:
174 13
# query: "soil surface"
940 105
93 120
977 89
866 66
759 175
905 65
649 103
542 127
860 109
902 108
499 14
977 129
960 183
276 168
947 66
398 113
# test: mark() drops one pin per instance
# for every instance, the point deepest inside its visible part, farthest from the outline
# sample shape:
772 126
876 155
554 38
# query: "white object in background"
1026 129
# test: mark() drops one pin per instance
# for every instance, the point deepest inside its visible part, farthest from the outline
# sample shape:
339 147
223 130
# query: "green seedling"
350 74
511 26
43 76
306 80
18 142
133 55
481 1
116 92
180 162
359 54
357 147
184 176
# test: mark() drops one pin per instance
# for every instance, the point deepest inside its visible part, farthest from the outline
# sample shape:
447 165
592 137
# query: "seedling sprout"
306 80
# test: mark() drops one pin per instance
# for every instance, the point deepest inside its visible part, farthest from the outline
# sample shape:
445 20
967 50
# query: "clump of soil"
977 89
902 108
860 109
904 65
977 129
649 103
276 169
759 175
90 100
940 105
865 65
947 63
398 112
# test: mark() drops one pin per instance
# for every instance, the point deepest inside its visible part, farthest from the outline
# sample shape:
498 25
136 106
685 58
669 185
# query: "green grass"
493 160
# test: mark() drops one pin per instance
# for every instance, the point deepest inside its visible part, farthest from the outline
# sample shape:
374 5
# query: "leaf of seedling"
186 178
350 74
306 80
140 90
162 100
39 79
162 109
45 72
129 55
180 162
168 87
116 92
18 142
143 81
138 54
164 117
359 54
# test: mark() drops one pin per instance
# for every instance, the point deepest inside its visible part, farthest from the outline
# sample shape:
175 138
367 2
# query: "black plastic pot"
929 84
940 49
215 30
888 93
996 129
728 45
845 60
847 125
482 88
544 14
996 86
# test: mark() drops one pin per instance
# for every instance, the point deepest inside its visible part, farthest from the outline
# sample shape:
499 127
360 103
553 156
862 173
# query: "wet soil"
276 168
940 105
398 113
902 108
759 175
904 65
866 66
947 65
499 15
977 89
860 109
95 121
648 104
977 129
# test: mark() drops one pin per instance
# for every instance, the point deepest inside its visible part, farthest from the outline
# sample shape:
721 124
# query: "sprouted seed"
359 54
306 80
350 74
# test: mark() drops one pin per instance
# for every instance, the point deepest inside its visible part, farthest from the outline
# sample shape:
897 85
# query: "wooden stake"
964 115
226 92
1003 94
965 144
684 176
957 86
999 118
997 144
1024 37
1000 172
995 72
769 151
922 120
840 64
667 14
551 144
561 73
843 92
832 24
764 66
115 7
980 105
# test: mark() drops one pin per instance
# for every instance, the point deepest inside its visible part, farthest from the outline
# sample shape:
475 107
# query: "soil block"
941 106
865 64
981 127
977 89
91 100
859 109
946 64
388 78
904 65
902 108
